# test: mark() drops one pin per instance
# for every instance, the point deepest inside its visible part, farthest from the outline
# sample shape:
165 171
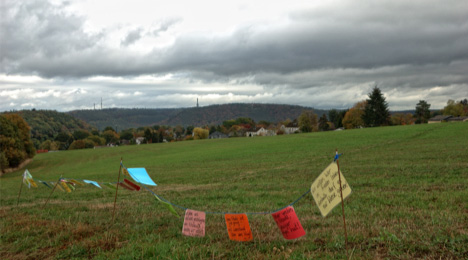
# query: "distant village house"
447 118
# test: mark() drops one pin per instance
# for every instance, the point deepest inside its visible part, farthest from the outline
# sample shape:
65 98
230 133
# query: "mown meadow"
409 198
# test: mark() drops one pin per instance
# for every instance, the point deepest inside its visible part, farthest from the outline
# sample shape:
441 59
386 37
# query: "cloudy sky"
67 55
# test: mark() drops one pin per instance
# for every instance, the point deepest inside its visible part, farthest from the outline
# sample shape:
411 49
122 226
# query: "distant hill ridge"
46 124
124 118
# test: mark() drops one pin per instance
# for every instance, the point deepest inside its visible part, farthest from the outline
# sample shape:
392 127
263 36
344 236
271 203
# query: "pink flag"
194 223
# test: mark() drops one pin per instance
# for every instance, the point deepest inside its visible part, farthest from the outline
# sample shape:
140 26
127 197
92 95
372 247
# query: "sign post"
118 181
55 186
342 202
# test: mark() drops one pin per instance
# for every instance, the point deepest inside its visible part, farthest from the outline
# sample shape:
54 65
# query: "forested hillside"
47 124
15 141
120 118
216 114
124 118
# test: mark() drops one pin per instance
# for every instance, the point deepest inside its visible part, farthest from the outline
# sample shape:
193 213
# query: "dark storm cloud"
43 39
348 37
36 29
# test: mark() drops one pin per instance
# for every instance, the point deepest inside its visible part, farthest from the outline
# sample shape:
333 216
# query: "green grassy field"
409 200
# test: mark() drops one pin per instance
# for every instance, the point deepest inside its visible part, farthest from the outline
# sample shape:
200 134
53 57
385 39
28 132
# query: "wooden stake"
115 200
19 194
342 205
55 186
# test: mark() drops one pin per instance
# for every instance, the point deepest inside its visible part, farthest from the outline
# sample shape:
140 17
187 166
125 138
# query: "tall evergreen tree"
422 113
376 112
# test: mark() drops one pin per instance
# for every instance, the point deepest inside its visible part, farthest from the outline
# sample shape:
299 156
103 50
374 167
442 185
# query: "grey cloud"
304 46
366 36
165 25
132 37
406 47
37 28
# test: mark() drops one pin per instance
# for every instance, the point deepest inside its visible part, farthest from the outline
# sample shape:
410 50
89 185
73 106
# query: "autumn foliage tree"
353 118
15 141
402 119
111 136
200 133
454 108
308 121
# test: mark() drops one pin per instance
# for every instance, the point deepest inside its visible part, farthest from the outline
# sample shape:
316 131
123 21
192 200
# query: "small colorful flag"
110 185
131 184
28 179
288 223
125 186
76 182
194 223
46 184
141 176
65 186
93 183
238 227
168 206
326 189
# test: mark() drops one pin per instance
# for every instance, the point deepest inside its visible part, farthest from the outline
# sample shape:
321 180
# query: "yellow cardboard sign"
326 189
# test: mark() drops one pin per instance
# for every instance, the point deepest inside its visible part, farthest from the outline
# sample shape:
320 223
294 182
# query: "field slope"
409 198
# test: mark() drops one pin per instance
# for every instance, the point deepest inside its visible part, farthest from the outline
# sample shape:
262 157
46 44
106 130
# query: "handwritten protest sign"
288 223
326 189
194 223
238 227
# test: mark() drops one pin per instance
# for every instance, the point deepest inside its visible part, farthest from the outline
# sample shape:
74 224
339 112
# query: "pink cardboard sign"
238 227
194 223
288 223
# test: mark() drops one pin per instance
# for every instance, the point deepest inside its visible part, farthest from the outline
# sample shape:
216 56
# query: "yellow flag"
76 182
33 183
65 186
326 189
58 186
72 187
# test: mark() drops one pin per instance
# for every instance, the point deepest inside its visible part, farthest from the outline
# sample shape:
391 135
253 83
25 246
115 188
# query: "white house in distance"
270 132
447 118
260 132
289 130
139 140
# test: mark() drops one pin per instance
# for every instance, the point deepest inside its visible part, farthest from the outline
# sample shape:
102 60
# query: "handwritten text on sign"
326 189
194 223
238 227
288 223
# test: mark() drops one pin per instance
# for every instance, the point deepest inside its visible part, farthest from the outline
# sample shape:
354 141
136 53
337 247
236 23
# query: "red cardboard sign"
288 223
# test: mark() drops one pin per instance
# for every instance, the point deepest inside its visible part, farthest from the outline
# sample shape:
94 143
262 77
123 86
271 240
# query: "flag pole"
342 202
115 200
21 187
55 186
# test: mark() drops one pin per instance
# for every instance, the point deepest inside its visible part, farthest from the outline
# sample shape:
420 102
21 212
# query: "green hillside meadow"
409 198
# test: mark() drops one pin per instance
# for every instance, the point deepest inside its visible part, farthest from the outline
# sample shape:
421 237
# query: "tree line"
374 112
15 141
58 131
